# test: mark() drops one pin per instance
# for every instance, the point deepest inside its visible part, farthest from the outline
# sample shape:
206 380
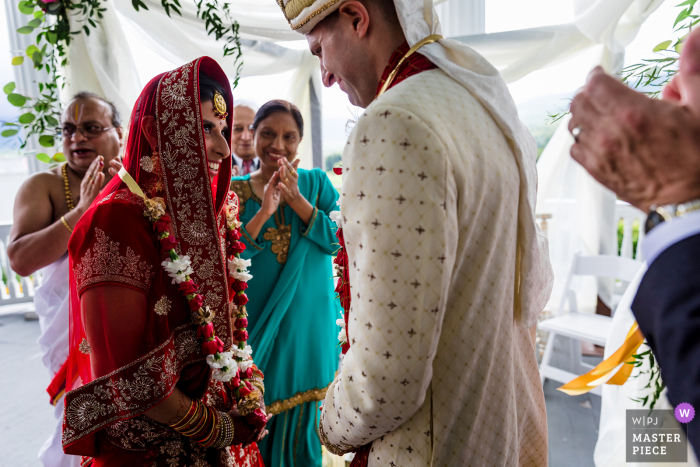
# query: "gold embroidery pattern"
131 389
338 450
312 395
188 194
103 262
84 347
312 15
244 192
280 236
311 223
250 240
162 306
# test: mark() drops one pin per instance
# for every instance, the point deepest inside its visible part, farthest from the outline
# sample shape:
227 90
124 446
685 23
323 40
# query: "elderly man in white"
448 270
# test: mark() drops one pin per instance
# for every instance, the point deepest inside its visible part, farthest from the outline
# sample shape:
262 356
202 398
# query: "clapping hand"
289 180
271 195
91 184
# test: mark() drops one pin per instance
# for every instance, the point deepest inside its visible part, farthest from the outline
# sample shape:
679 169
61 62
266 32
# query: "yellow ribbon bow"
601 373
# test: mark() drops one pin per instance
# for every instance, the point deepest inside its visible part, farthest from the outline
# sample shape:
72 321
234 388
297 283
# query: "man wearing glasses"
47 208
244 160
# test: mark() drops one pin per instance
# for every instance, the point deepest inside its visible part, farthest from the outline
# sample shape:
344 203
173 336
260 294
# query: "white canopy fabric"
102 63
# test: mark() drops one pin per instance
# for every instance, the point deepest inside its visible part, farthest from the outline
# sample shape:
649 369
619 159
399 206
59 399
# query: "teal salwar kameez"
291 315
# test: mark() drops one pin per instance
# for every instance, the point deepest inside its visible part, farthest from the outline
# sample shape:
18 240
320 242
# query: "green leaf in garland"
43 157
679 46
17 100
662 46
26 8
25 30
50 120
46 141
59 157
52 37
35 23
17 60
9 87
26 118
8 133
39 14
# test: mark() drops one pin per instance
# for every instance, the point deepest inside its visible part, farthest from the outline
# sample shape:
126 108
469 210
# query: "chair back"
613 267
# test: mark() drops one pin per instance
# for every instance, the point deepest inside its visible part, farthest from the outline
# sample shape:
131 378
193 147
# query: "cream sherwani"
438 373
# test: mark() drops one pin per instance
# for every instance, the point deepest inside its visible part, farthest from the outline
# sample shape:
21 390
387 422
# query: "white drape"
102 63
583 210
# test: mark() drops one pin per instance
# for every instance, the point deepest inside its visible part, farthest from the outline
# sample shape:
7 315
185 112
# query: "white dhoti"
51 303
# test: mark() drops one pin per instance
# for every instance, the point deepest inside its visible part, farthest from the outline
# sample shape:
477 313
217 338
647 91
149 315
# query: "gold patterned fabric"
244 191
312 395
438 373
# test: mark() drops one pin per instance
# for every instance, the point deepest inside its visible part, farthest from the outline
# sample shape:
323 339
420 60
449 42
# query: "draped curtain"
583 211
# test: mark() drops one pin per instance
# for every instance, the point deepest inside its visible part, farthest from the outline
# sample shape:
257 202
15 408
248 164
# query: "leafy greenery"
655 383
652 74
41 113
621 234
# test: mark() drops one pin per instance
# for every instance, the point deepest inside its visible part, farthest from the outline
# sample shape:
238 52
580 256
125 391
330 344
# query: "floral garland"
235 367
342 287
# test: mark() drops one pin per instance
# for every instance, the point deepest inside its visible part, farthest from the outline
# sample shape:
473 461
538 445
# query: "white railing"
13 290
628 214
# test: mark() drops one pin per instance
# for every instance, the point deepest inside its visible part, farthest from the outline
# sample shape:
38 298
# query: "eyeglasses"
240 128
89 131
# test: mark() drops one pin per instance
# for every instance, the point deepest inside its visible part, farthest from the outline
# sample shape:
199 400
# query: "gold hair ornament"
220 105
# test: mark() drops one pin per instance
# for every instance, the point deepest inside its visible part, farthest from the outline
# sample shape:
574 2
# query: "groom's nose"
327 78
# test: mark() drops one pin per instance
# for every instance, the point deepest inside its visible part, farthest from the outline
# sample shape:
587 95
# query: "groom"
448 270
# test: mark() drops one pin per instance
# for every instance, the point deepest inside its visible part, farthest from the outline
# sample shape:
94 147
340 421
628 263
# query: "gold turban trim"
304 15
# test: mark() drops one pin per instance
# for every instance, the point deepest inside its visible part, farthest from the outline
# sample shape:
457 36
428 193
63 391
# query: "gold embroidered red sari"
122 365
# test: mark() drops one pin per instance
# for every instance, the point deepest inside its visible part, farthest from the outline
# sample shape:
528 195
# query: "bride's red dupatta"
138 360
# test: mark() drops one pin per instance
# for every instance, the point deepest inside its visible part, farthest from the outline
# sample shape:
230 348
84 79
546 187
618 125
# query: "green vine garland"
41 113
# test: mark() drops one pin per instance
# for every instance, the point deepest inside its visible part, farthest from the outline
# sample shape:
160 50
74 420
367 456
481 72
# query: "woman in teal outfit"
292 310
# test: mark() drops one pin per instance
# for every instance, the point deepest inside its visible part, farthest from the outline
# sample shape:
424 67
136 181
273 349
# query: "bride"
156 287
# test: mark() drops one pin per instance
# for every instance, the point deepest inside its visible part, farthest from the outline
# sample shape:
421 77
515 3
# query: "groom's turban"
304 15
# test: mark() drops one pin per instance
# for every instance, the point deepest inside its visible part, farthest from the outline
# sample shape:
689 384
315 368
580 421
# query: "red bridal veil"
143 358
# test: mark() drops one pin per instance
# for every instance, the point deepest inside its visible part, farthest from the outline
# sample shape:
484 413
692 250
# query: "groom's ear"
354 13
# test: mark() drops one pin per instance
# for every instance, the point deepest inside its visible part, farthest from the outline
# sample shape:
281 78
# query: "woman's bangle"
63 219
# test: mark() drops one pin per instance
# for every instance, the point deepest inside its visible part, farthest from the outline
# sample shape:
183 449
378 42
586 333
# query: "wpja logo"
655 436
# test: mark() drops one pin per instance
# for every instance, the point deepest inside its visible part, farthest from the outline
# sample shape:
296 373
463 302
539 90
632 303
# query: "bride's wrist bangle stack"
206 425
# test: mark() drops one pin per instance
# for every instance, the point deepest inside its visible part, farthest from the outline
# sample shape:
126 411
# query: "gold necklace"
66 187
428 40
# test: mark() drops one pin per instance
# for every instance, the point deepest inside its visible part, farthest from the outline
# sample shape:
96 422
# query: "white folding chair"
582 326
